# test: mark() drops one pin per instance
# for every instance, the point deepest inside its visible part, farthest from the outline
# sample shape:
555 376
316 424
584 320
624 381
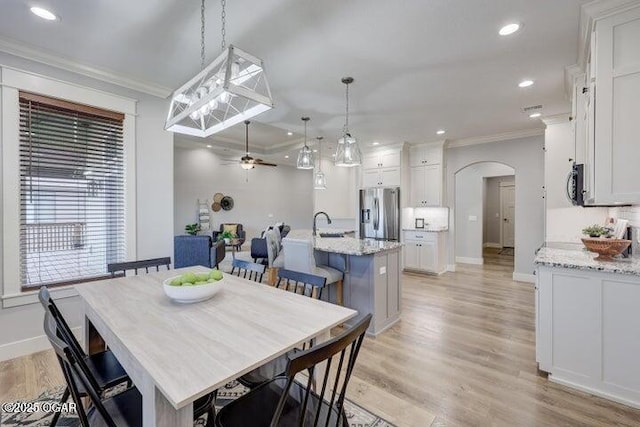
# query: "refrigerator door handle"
376 207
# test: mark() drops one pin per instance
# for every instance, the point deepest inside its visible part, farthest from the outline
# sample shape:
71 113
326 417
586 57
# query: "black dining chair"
285 402
104 366
120 410
118 269
292 281
255 271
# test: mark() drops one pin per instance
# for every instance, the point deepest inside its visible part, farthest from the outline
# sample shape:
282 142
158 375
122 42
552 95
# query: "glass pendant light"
229 90
347 151
319 180
305 156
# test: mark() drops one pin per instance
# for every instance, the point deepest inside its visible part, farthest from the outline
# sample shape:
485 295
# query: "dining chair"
118 269
299 256
104 366
285 402
311 287
255 271
120 410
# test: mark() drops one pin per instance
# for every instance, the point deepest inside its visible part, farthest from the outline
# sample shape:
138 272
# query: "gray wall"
469 212
271 194
526 156
492 220
154 210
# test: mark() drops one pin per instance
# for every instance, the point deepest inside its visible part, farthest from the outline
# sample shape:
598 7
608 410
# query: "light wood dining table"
176 353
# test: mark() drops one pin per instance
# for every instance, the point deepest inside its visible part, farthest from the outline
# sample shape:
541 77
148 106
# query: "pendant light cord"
202 56
319 153
224 24
346 121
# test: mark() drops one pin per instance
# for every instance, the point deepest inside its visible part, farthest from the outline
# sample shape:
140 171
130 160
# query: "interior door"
508 212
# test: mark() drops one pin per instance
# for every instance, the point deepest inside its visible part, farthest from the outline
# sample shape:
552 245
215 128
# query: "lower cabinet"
588 331
424 251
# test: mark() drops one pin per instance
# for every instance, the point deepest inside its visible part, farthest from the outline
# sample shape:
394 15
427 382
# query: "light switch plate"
473 218
383 270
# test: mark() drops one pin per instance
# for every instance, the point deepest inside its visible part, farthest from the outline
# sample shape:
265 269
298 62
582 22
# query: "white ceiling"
418 65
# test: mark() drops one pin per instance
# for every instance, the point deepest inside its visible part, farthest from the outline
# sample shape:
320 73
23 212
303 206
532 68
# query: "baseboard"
524 277
30 345
467 260
451 268
492 245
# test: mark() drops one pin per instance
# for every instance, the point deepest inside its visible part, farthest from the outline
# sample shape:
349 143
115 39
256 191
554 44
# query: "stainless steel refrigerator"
380 213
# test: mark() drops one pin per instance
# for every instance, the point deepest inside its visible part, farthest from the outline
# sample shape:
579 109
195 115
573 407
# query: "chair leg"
339 297
56 415
272 275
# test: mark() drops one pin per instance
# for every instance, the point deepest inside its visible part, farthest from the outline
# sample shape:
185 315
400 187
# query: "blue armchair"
197 250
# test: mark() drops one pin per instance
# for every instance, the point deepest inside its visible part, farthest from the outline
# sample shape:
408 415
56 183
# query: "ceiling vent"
532 109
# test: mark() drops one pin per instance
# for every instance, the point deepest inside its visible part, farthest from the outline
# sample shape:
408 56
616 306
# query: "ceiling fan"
247 162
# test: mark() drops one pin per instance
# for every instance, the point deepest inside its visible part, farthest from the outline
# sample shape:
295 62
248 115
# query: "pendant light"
231 89
305 156
347 151
319 180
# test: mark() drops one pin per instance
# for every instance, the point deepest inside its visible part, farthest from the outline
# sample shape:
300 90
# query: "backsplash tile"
631 214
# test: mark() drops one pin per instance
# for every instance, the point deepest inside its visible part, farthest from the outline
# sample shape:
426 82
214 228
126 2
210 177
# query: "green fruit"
200 283
216 275
203 277
211 280
188 278
187 284
176 282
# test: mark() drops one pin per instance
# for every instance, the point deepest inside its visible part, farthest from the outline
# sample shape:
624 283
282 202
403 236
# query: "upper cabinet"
382 169
607 110
426 177
381 160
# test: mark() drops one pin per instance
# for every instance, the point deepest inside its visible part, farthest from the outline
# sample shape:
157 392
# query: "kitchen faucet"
315 217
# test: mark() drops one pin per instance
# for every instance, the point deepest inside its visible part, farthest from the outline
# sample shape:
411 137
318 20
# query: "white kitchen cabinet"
426 185
385 177
426 154
381 160
588 331
616 150
424 251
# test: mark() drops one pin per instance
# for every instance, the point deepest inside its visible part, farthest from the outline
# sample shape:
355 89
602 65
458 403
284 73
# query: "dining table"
176 353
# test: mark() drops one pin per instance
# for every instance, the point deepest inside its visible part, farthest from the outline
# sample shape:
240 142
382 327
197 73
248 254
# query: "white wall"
469 211
526 156
492 216
21 327
270 195
339 199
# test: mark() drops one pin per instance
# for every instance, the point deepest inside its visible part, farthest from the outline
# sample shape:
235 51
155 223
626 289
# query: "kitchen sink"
331 234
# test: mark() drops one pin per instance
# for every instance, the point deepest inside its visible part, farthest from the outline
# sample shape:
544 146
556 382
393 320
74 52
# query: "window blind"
72 212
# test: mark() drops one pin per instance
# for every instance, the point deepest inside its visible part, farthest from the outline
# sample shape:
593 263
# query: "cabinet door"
390 160
617 104
371 162
428 253
417 186
410 252
390 177
433 155
433 185
416 155
370 178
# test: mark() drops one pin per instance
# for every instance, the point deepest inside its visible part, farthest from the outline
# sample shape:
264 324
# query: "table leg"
158 412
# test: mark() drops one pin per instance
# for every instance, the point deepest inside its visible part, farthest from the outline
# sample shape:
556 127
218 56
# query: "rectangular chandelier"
230 90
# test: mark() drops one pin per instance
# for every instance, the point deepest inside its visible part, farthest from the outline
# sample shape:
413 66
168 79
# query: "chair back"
273 246
254 270
293 281
121 268
340 352
298 255
50 307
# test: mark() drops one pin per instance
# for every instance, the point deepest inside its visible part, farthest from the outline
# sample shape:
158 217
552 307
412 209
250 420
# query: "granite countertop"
575 256
429 228
345 245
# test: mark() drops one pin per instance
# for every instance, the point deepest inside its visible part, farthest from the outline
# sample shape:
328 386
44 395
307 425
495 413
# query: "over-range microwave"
576 191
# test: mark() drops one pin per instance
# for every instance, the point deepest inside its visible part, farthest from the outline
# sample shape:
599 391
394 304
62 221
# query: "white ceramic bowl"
190 294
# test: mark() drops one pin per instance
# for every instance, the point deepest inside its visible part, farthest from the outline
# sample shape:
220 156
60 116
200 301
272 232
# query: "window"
72 195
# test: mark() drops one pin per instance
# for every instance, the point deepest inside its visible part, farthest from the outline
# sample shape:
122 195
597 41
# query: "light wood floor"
462 355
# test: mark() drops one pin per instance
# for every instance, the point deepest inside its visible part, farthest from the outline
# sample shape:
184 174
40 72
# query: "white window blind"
72 213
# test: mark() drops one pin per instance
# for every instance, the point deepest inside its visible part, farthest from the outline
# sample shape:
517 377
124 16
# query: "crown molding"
570 74
465 142
591 12
556 119
21 50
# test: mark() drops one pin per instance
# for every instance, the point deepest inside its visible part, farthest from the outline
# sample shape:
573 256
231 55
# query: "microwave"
575 185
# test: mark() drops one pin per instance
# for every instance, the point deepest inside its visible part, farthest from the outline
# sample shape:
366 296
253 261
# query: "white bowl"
190 294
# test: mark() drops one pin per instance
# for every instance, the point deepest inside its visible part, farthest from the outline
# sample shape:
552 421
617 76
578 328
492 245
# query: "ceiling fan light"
320 181
247 166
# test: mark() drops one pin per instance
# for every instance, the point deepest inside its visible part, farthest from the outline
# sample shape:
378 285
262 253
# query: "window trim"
11 82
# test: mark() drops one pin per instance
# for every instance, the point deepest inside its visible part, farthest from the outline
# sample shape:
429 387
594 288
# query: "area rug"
356 415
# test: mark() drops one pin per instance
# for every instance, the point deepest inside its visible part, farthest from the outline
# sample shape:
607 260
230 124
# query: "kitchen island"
588 322
371 275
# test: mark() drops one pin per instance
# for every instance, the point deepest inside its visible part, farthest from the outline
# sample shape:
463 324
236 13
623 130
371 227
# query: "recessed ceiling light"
208 146
535 115
525 83
289 133
440 132
509 29
286 157
315 151
43 13
376 143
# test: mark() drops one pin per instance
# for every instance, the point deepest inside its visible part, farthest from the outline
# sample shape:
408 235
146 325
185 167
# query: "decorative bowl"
193 293
606 248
